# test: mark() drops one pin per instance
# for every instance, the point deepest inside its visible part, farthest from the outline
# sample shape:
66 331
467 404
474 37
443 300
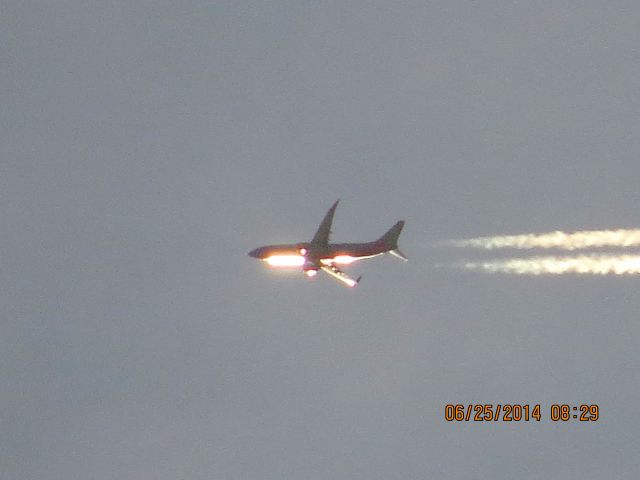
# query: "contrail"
583 264
561 240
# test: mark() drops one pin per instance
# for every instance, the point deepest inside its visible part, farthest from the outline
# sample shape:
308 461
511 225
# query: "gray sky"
147 146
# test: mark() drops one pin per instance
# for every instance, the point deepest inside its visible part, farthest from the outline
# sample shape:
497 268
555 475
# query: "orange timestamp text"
515 412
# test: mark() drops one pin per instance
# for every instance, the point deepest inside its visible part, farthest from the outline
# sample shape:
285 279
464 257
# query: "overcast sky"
146 147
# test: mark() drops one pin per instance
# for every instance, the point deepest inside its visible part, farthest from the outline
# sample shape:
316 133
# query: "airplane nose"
255 253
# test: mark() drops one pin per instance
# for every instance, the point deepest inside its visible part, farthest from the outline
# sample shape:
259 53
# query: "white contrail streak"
584 265
561 240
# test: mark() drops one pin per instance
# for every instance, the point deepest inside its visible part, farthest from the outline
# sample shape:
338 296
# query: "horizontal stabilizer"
396 252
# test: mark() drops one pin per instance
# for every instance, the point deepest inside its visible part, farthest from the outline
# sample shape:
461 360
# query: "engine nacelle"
310 269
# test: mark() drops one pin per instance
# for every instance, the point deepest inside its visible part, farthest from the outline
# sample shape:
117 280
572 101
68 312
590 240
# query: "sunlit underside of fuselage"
285 260
291 256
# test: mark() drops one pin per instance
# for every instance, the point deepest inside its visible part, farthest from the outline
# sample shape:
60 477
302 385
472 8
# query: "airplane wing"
324 230
338 274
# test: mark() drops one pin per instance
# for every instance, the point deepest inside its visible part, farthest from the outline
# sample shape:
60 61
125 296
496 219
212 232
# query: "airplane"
319 254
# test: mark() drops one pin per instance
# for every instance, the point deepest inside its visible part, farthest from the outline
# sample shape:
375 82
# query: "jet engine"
310 269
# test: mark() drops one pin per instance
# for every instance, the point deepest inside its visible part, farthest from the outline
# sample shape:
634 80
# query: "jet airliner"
319 254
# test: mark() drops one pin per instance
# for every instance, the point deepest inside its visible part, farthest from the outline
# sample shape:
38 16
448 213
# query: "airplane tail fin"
390 240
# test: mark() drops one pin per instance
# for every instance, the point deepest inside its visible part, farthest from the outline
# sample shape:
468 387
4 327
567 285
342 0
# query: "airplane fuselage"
297 254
